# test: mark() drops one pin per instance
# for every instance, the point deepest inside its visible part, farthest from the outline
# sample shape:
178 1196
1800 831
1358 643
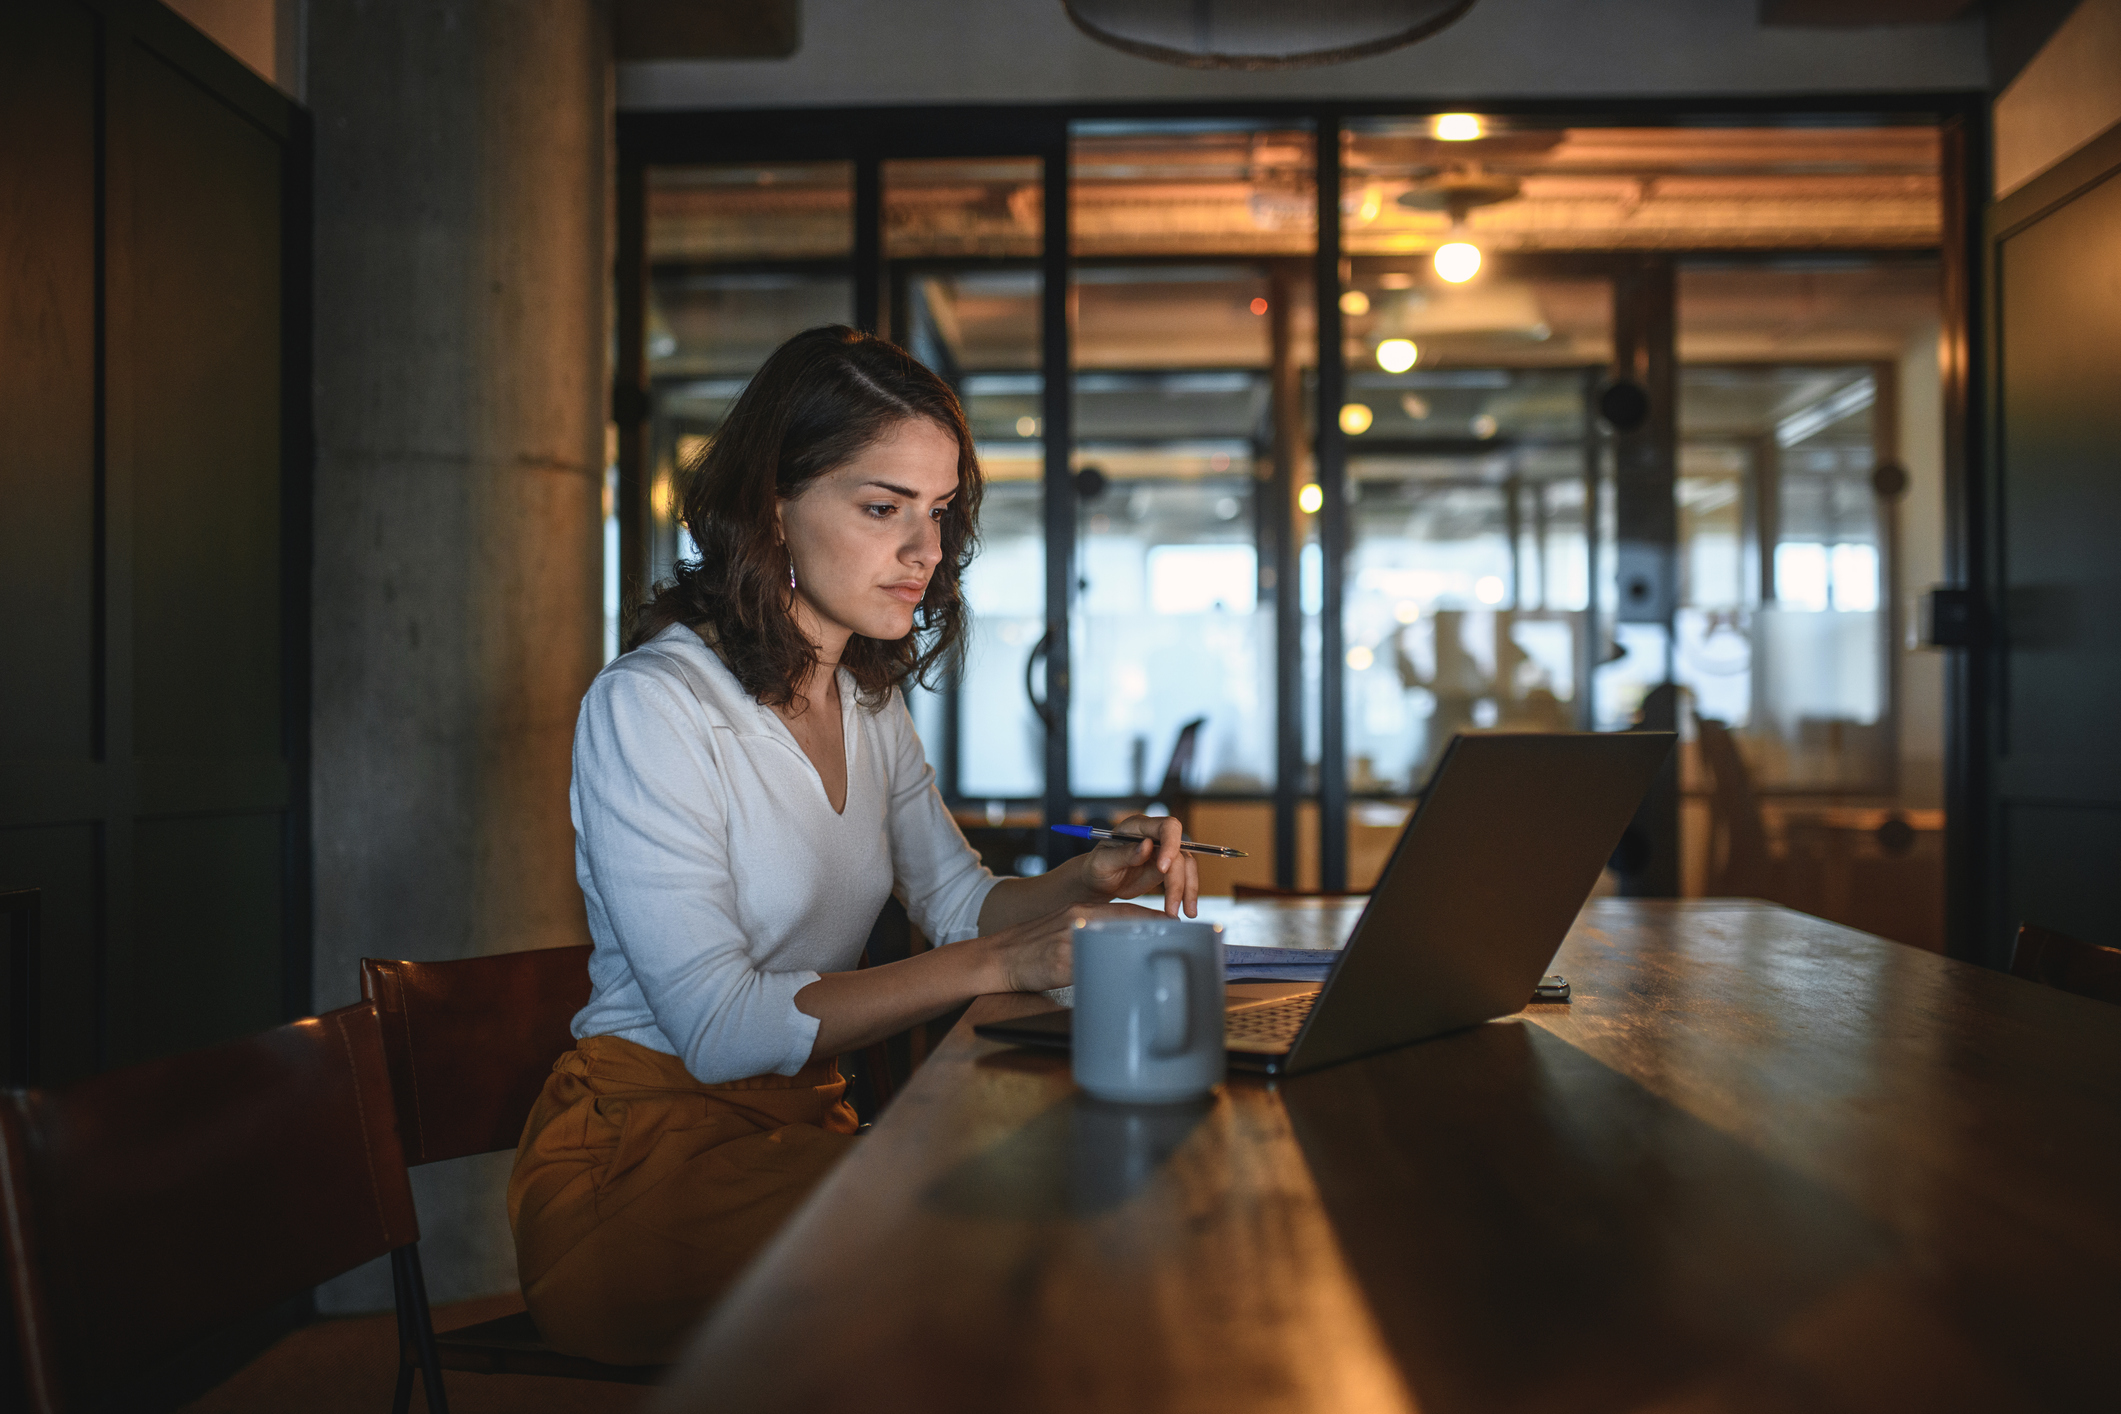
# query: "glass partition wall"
1162 568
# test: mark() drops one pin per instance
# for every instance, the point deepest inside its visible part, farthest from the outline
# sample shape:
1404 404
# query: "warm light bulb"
1397 355
1310 498
1457 262
1406 611
1027 427
1360 657
1355 419
1355 302
1489 589
1259 306
1457 127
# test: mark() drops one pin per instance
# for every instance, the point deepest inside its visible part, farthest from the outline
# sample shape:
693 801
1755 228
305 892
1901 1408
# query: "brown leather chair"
1244 891
469 1044
149 1206
2058 960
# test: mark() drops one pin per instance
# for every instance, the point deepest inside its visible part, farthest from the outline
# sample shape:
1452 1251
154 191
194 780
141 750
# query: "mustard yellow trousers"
639 1194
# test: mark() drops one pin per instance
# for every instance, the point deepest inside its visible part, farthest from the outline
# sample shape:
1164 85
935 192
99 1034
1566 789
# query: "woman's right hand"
1039 955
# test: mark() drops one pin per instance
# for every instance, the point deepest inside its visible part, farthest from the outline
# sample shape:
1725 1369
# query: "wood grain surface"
1761 1162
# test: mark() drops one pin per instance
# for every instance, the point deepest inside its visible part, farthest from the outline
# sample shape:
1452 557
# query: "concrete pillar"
460 216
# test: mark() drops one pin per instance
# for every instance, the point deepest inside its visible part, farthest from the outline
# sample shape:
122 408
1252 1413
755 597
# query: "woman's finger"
1168 853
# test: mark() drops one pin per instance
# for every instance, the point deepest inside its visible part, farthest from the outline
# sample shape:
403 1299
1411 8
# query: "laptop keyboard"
1266 1028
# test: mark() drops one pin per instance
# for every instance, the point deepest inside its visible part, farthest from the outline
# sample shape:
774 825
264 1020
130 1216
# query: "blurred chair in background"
1741 864
2058 960
1174 794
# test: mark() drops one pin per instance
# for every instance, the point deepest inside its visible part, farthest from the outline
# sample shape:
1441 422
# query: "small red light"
1259 306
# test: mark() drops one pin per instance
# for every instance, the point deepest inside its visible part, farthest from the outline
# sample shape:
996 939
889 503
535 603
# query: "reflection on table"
1761 1161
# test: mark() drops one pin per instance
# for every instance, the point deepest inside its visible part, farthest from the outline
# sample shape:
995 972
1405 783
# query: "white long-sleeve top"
719 880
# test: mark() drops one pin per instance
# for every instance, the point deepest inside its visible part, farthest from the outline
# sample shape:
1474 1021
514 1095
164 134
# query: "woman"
748 789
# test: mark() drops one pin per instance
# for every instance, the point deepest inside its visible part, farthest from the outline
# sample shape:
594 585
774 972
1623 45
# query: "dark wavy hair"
813 406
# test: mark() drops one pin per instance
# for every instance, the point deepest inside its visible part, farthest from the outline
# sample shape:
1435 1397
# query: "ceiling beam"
706 29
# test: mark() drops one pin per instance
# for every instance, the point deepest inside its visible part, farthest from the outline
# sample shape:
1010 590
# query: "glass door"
1191 325
1161 573
962 241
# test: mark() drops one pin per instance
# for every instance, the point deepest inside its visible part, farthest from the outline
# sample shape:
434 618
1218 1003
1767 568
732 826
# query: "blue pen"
1084 832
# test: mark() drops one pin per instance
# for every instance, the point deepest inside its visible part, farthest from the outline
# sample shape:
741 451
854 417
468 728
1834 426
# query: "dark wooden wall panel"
2053 613
62 862
153 529
47 383
204 316
2061 433
204 960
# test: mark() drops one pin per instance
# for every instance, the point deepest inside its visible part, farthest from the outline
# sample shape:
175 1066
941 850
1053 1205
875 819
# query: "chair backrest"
148 1206
470 1042
1736 824
1174 789
2058 960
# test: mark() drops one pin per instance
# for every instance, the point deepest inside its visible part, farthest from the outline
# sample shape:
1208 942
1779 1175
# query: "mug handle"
1171 999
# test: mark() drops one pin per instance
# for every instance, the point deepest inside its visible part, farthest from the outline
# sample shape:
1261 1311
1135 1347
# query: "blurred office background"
1780 281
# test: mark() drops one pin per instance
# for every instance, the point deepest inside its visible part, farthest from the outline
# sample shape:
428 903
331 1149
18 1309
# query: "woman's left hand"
1126 869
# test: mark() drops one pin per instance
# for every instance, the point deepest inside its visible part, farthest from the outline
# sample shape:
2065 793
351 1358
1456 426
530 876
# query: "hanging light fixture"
1458 261
1260 34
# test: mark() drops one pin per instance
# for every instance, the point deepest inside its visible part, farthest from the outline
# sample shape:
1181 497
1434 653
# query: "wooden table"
1762 1162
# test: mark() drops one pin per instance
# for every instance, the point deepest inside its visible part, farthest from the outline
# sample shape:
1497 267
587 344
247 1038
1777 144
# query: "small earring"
791 571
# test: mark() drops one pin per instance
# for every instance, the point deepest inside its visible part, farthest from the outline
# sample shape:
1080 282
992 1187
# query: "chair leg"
423 1330
401 1397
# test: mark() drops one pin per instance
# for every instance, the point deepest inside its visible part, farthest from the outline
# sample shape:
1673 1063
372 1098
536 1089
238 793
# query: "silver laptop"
1491 870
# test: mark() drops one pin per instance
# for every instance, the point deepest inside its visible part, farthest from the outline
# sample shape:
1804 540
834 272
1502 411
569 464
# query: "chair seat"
511 1345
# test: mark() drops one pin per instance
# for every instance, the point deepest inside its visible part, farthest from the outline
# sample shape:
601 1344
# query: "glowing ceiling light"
1310 498
1406 611
1489 589
1397 355
1360 657
1458 262
1027 427
1355 419
1457 127
1355 302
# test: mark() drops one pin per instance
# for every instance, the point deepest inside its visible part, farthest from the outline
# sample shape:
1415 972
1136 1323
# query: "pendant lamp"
1260 34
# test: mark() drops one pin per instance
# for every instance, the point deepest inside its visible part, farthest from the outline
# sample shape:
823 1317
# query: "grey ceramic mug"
1148 1025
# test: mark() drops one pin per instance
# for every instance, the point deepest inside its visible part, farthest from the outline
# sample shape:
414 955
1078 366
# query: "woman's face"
866 537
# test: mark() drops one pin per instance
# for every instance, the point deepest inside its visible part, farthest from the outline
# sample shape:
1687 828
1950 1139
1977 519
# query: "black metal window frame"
869 137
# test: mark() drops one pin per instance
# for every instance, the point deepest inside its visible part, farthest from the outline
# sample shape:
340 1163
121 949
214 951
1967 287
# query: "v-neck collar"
847 739
777 728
